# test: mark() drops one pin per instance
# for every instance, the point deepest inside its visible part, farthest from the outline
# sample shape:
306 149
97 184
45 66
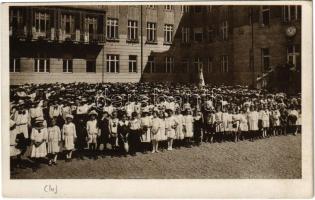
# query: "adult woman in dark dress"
198 127
104 128
81 141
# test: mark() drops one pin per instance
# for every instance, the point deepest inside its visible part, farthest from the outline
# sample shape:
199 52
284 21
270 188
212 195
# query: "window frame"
169 64
263 11
224 64
286 10
168 33
133 64
263 57
185 35
40 17
294 54
37 65
68 65
151 64
112 24
197 31
225 30
112 58
151 28
94 68
132 30
16 65
168 7
68 18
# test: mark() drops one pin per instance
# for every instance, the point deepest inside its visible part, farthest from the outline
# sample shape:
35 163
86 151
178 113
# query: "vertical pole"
141 32
252 48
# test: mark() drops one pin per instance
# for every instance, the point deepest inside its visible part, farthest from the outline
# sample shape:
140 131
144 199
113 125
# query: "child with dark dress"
123 133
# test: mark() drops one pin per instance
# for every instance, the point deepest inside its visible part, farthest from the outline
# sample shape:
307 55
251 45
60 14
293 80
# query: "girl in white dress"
54 138
236 118
93 133
155 132
219 128
179 134
275 120
264 117
170 126
163 136
243 127
188 122
253 122
226 121
69 135
22 120
39 137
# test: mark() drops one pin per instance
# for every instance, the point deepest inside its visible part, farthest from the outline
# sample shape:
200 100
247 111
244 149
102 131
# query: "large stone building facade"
230 44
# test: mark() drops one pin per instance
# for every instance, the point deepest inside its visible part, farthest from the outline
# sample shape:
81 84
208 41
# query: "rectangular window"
185 9
67 65
169 64
209 66
151 6
42 20
265 13
91 65
185 66
41 65
224 30
168 33
224 64
112 29
210 35
151 32
185 35
16 18
151 64
265 59
67 23
198 34
91 28
168 7
294 56
132 30
198 64
291 13
15 65
112 63
133 64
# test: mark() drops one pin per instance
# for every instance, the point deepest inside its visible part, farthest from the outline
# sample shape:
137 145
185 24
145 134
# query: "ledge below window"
112 39
167 43
132 41
151 42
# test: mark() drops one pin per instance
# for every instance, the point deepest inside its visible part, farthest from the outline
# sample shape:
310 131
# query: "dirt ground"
275 157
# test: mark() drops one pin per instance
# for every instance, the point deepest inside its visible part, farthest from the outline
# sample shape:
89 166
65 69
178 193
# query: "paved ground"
276 157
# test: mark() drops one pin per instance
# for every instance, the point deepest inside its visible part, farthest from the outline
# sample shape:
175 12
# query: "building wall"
237 46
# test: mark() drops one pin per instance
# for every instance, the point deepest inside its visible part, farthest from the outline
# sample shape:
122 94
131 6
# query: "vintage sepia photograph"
155 91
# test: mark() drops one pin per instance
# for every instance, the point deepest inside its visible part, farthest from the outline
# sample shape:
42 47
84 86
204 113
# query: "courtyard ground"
275 157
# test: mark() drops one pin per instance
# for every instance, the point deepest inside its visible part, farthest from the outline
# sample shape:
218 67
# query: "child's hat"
39 119
93 112
69 116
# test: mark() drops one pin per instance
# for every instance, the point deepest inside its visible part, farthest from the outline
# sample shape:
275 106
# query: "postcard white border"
180 188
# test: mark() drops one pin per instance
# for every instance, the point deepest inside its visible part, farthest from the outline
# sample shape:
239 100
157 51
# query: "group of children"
60 129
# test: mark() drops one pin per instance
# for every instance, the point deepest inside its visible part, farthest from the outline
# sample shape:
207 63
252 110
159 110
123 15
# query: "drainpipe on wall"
252 51
141 38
